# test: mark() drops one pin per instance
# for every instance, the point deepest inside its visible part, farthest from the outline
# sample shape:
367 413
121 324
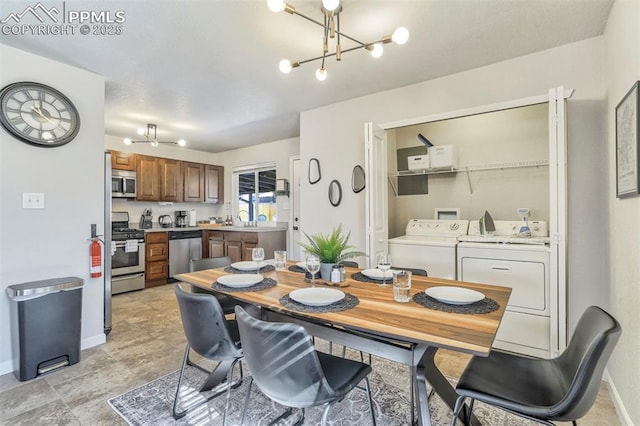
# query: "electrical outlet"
32 200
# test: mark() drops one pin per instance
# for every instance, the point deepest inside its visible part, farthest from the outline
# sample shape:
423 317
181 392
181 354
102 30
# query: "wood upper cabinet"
171 179
164 179
213 184
148 178
123 161
194 187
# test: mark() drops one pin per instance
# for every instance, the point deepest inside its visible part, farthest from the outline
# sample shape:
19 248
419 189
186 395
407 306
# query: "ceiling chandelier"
331 25
150 136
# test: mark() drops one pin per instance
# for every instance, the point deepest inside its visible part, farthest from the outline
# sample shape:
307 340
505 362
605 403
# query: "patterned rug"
151 403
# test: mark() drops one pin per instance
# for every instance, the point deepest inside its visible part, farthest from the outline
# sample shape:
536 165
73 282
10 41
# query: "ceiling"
207 71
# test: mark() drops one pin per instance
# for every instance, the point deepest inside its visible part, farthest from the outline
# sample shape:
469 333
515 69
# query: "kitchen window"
254 193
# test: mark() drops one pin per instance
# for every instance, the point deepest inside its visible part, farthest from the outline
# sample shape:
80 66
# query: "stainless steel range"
127 261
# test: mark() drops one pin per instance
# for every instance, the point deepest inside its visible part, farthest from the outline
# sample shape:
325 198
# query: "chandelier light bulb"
285 66
377 50
127 141
276 5
330 5
141 131
154 143
400 35
321 74
182 142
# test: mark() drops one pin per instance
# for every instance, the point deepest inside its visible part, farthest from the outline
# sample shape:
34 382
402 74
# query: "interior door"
295 234
558 216
375 142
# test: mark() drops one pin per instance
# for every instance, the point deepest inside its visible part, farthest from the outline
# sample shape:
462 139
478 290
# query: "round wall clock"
38 114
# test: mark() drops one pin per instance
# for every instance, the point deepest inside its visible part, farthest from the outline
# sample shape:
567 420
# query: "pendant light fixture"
150 136
331 10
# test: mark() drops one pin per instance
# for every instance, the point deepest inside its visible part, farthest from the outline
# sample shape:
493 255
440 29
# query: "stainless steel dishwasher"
183 246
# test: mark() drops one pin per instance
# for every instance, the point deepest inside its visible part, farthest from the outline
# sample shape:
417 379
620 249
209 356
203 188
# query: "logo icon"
38 11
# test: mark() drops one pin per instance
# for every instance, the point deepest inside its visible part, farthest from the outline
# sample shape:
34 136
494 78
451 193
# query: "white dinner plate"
240 280
247 265
302 265
377 274
316 296
454 295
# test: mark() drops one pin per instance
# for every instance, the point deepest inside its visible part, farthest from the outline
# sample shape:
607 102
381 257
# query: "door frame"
293 249
557 184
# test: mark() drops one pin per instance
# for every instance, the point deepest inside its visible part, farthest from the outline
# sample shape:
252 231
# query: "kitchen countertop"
158 228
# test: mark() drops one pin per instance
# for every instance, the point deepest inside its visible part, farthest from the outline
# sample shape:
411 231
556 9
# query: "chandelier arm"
321 25
328 55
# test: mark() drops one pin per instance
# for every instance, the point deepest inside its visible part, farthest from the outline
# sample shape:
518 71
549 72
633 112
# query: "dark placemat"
350 301
264 269
359 276
262 285
296 268
483 306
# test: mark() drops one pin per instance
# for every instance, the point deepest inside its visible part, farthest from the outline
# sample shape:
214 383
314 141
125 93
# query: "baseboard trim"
617 401
6 367
93 341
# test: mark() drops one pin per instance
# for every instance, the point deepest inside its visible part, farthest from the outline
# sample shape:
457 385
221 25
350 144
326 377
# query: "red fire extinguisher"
95 255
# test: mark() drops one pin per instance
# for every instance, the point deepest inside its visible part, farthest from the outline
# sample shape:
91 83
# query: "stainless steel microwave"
123 184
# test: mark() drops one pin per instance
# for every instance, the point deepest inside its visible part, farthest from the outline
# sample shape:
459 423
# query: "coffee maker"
182 218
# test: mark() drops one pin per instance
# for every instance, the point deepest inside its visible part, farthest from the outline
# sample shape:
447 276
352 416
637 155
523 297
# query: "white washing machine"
530 324
430 245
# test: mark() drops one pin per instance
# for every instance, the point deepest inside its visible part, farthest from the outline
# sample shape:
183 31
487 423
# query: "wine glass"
384 264
257 254
312 263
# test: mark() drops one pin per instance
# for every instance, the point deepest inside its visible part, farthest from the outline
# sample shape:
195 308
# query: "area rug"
151 404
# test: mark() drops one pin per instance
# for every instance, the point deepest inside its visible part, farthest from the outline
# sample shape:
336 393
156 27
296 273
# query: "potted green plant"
330 249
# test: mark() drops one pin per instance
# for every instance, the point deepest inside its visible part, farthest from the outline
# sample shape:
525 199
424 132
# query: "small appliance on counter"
146 220
182 218
192 218
165 221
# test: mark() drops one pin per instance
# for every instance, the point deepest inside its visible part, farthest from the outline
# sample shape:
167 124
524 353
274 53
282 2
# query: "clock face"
38 114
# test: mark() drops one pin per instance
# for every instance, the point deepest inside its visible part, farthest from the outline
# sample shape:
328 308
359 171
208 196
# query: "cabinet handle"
500 268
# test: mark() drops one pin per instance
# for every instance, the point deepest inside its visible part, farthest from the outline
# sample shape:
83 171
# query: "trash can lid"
42 287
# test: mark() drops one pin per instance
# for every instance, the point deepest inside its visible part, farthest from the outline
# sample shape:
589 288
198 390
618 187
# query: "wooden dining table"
407 333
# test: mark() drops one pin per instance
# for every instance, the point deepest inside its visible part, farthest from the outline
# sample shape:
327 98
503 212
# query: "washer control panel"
434 227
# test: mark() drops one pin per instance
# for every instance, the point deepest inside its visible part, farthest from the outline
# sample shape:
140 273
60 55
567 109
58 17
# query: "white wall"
52 242
622 70
335 135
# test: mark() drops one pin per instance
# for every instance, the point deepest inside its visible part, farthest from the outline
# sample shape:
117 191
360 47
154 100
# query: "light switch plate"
32 200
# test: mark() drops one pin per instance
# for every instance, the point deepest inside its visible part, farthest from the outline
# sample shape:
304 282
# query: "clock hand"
39 112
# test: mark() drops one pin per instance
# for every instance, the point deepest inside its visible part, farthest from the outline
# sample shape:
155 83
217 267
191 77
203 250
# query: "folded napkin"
131 246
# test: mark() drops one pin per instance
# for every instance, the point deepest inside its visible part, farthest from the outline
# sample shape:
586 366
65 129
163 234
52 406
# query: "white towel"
113 248
131 246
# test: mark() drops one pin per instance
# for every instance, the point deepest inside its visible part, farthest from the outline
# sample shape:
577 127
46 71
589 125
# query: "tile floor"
147 342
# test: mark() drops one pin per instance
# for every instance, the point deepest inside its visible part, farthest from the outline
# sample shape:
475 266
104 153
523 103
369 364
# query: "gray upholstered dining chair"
544 390
213 337
287 369
414 271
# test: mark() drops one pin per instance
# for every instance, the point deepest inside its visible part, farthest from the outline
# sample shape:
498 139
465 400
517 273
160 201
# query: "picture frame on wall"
627 144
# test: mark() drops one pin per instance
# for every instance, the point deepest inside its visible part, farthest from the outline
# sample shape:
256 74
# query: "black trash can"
46 319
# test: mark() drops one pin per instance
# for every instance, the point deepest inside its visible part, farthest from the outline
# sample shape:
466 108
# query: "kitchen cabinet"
233 246
171 180
213 184
239 244
148 178
157 259
164 179
194 182
123 161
